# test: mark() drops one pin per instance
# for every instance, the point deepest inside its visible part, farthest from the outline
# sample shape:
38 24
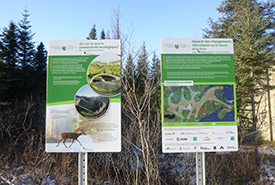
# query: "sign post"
83 112
200 168
82 168
198 98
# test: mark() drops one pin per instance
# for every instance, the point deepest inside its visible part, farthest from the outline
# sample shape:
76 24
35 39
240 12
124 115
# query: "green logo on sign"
177 46
64 48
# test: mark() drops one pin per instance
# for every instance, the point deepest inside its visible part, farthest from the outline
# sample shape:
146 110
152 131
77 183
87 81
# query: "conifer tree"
142 69
155 69
102 34
8 45
155 77
129 71
40 66
25 43
92 34
9 75
251 24
40 58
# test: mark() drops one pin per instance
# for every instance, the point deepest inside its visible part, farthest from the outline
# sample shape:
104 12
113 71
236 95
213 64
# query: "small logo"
231 147
167 148
64 48
178 138
206 139
204 148
221 147
232 138
214 147
195 138
177 46
230 132
184 139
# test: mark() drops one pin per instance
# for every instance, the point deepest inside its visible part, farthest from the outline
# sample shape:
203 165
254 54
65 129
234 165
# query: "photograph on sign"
83 112
198 95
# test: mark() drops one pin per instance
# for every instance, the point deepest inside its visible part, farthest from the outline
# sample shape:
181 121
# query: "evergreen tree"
92 34
155 69
40 66
142 69
25 43
9 74
8 46
40 58
251 24
102 34
155 77
129 72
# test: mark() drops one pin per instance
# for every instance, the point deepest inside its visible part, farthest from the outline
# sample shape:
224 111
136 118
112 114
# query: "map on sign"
199 103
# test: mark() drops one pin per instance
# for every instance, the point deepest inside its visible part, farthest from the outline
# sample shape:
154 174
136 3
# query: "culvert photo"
103 74
89 104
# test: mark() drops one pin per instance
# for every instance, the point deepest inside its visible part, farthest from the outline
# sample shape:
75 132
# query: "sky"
140 21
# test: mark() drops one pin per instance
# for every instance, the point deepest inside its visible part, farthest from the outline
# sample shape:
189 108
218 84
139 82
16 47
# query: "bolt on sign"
198 95
83 96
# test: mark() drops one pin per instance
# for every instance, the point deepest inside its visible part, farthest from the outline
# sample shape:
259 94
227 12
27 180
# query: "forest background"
23 67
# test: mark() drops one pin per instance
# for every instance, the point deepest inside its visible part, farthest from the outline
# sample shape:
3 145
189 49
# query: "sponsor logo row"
204 148
231 138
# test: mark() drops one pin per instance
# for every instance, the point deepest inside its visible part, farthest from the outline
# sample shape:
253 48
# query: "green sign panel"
198 95
83 96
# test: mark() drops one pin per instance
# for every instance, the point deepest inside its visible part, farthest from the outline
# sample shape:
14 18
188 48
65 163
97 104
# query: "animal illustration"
70 135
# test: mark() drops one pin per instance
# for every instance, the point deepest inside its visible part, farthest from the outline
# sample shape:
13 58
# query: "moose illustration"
70 135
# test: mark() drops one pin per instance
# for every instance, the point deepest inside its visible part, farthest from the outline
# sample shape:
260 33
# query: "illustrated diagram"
199 103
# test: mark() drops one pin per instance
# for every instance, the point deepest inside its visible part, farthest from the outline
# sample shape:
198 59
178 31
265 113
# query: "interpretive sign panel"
83 96
198 95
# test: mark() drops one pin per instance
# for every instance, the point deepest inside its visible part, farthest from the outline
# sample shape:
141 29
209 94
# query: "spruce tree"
9 72
142 69
155 69
129 72
40 58
25 43
92 34
39 73
251 24
155 78
102 34
9 46
26 51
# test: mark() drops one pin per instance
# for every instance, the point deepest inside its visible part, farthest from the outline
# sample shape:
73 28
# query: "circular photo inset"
89 104
103 74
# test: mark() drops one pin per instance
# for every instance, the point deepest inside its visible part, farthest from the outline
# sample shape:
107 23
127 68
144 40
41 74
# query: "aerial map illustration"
199 103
